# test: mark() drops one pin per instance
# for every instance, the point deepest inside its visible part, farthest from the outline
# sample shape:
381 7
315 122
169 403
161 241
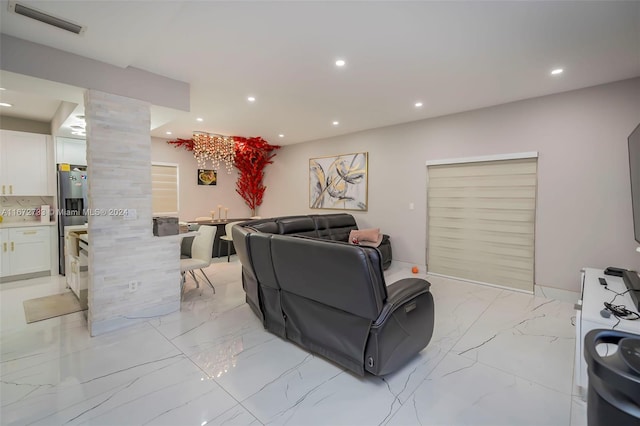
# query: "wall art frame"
207 177
339 182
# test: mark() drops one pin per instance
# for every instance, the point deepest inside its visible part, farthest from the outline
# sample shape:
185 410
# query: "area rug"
53 306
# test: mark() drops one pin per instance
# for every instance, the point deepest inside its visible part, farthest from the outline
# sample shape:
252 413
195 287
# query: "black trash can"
614 380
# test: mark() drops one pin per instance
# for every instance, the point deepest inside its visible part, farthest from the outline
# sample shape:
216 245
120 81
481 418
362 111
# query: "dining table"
218 251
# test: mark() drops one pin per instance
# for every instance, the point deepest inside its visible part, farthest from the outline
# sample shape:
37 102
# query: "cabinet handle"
12 246
11 189
3 192
29 232
5 246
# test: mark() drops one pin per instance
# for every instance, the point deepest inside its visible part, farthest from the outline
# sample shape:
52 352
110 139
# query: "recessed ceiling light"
81 117
335 123
5 104
281 135
79 133
2 88
251 99
199 119
168 133
418 104
77 127
557 71
340 63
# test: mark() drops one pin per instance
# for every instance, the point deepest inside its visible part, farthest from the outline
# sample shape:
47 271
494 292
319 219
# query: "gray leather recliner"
331 298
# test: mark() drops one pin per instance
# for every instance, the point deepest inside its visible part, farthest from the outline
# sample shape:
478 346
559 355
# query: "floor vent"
32 13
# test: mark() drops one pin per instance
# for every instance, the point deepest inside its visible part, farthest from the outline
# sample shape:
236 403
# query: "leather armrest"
399 293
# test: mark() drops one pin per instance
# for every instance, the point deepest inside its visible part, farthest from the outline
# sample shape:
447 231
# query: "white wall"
583 208
198 200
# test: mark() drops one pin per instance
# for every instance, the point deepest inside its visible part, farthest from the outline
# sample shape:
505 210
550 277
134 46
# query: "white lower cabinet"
4 252
73 274
25 250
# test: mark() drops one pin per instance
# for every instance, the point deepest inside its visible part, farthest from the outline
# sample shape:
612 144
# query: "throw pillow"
366 237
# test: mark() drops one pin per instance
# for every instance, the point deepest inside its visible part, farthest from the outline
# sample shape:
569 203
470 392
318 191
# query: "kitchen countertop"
25 224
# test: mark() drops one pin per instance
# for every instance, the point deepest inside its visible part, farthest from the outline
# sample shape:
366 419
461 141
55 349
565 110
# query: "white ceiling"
452 56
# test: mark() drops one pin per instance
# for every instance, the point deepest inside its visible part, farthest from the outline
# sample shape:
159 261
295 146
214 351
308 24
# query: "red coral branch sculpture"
182 143
252 156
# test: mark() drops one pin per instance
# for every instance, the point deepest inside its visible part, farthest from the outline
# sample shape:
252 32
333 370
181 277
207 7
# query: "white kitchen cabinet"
71 151
25 163
72 255
25 250
4 252
77 261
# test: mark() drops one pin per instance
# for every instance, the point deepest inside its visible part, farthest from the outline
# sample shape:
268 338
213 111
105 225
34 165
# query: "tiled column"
123 249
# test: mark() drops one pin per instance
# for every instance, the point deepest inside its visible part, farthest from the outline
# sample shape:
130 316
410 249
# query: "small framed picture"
207 177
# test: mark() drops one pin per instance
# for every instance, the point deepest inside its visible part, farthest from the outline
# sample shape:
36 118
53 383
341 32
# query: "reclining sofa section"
335 227
330 297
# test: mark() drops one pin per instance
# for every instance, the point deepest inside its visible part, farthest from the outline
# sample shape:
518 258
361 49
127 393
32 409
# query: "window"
164 188
481 220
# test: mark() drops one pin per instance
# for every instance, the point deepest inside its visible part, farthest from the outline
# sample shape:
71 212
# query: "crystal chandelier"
214 148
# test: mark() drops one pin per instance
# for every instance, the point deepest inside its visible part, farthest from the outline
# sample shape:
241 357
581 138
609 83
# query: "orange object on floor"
414 269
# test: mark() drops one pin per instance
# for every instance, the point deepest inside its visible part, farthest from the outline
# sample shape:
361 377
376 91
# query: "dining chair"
201 253
228 238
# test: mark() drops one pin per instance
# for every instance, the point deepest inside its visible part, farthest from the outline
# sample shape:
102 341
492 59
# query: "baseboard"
557 294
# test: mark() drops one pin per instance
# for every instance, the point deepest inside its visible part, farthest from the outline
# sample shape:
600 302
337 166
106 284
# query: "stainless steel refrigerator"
72 204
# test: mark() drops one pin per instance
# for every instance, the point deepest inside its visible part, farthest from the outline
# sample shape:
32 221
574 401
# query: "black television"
634 171
631 278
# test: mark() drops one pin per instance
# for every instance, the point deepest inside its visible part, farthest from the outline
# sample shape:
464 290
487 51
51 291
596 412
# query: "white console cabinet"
588 317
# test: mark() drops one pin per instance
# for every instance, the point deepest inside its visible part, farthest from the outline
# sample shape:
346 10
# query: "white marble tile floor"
496 358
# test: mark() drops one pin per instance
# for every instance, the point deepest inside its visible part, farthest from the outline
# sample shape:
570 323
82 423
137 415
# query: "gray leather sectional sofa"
329 296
